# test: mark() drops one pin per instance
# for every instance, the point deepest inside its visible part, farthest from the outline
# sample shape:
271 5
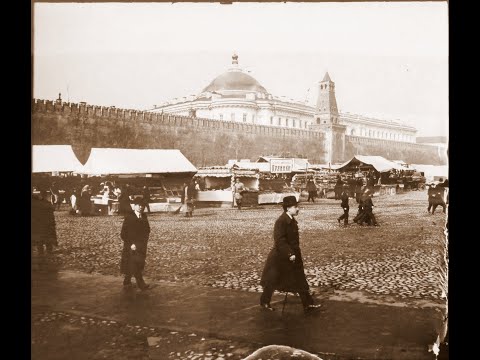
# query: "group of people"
436 193
365 208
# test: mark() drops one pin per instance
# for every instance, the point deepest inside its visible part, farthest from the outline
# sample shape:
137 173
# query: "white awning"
54 158
113 161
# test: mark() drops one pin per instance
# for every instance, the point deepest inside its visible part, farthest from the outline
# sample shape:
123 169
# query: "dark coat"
191 193
435 195
279 272
43 229
344 198
134 231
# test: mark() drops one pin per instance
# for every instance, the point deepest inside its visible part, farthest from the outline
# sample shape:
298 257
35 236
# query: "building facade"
238 97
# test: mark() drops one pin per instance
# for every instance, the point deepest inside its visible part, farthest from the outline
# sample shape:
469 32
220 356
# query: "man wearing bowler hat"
283 269
135 233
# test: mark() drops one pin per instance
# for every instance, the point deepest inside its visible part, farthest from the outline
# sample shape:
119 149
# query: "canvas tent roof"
110 161
54 158
430 171
379 163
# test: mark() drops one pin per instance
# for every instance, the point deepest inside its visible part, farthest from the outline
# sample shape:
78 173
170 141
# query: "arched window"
369 133
318 120
352 132
286 122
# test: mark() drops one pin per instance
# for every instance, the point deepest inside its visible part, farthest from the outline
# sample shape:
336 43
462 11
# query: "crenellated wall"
203 141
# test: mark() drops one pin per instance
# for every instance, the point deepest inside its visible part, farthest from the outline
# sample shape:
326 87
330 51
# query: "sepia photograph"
239 180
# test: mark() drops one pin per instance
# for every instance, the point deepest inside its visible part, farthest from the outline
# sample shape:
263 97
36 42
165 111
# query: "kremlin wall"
205 142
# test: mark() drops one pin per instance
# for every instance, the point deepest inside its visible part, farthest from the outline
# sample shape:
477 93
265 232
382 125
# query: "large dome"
234 79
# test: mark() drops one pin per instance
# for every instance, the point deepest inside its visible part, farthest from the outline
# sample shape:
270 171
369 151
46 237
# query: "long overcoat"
134 231
279 272
43 229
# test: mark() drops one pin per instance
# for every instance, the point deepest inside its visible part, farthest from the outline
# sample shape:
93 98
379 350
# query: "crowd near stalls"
119 175
321 179
55 172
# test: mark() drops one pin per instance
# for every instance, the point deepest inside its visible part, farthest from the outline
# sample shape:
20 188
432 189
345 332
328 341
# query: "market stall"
275 177
215 184
55 164
160 172
375 172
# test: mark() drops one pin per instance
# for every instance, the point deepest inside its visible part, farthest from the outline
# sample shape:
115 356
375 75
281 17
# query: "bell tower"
326 109
326 120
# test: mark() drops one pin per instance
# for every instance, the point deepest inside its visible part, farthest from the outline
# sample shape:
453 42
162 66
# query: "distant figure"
43 228
283 269
74 202
345 208
312 190
55 196
338 188
189 195
146 198
135 233
124 207
238 188
85 205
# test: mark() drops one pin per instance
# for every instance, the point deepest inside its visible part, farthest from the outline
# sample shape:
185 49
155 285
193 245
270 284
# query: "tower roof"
326 77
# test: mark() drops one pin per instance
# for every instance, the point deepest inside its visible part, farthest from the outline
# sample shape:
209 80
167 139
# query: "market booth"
162 171
374 168
215 184
274 177
55 163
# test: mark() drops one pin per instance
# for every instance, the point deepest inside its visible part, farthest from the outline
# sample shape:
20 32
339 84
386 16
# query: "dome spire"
234 59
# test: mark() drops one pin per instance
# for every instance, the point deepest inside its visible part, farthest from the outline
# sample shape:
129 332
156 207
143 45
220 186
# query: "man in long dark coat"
283 269
345 208
43 231
135 233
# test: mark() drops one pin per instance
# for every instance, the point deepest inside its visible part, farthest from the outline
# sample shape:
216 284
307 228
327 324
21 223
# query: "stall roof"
430 171
262 166
214 171
53 158
108 161
379 163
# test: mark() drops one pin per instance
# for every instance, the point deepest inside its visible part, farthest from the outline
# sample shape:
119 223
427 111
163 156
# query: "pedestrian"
238 188
435 198
55 196
123 196
367 210
189 195
312 190
134 234
345 208
43 231
338 187
283 269
146 198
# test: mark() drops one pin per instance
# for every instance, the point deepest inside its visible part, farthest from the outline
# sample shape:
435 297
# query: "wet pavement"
349 326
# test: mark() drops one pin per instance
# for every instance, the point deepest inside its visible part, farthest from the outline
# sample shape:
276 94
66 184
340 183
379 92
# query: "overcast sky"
388 60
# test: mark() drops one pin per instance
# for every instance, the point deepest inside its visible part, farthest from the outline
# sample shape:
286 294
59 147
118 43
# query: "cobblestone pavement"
403 262
404 257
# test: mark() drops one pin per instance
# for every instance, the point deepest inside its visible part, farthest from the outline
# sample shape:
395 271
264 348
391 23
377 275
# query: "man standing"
135 233
189 195
312 190
238 188
283 269
146 198
43 232
345 208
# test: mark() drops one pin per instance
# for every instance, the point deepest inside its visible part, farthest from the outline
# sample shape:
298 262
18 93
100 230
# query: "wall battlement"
48 106
205 142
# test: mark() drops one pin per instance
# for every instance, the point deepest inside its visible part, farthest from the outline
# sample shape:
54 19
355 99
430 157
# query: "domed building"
237 96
